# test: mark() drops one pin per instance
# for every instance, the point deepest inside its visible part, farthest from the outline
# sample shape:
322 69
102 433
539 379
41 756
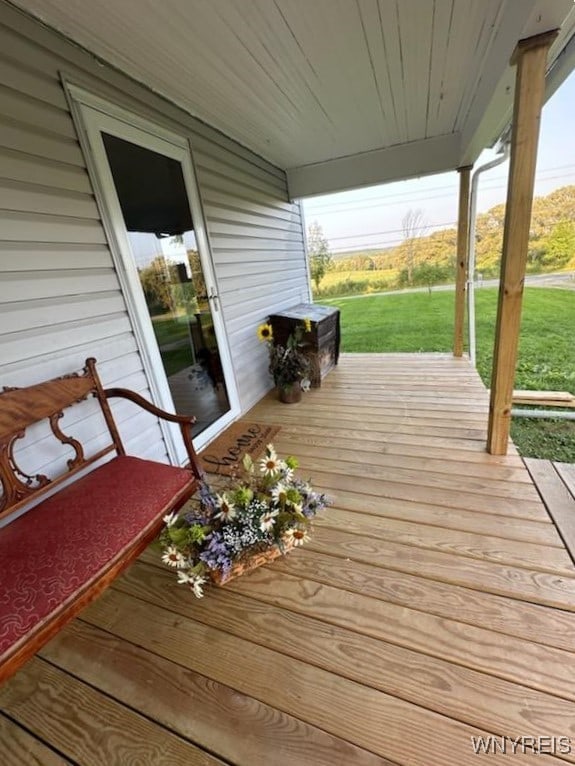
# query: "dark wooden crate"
321 344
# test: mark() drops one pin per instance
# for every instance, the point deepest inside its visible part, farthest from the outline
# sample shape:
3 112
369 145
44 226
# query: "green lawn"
424 322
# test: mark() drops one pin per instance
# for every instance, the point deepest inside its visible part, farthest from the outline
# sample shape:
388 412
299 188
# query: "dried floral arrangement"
288 365
266 510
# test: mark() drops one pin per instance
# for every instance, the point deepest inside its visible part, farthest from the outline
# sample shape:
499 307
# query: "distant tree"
318 253
413 225
560 245
156 280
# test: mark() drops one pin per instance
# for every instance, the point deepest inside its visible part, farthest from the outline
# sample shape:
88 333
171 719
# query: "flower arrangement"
268 507
288 366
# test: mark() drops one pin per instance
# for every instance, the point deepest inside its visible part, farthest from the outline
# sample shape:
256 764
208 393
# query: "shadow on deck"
434 604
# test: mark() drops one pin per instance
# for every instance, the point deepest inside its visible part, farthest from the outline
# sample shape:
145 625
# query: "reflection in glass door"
154 202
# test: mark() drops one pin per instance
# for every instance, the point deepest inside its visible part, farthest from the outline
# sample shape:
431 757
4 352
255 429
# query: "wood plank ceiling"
303 83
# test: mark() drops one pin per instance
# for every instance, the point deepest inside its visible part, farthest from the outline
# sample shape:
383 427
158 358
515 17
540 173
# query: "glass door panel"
157 216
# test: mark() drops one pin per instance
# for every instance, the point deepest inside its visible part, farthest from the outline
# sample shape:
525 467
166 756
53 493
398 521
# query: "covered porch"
435 603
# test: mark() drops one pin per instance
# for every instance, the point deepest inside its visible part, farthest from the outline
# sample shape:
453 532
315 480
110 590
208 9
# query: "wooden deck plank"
73 717
540 532
466 448
423 426
220 719
558 499
374 720
503 580
483 547
532 622
366 469
469 696
400 456
448 498
19 748
518 661
567 472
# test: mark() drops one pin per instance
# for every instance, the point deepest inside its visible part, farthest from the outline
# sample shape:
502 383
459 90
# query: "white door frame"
93 115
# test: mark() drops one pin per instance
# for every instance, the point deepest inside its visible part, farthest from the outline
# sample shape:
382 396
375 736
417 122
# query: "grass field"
424 322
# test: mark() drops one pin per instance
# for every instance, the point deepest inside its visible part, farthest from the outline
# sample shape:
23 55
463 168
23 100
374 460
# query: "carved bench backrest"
22 407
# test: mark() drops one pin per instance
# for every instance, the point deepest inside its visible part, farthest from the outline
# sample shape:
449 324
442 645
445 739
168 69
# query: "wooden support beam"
531 59
462 259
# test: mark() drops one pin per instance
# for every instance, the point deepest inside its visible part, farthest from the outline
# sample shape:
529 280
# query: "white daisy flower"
270 464
173 558
267 520
227 510
170 519
197 584
279 493
184 578
287 473
297 508
299 536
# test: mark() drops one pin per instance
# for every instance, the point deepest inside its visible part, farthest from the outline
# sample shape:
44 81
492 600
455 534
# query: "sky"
371 217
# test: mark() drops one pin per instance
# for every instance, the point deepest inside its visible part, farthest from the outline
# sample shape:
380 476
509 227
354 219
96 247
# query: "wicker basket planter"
248 563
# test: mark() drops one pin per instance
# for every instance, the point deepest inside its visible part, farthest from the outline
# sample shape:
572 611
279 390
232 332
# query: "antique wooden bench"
58 556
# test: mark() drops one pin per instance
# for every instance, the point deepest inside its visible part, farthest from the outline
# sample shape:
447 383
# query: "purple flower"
217 554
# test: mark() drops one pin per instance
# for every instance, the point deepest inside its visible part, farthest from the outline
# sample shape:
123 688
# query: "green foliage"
559 247
429 260
427 274
164 289
318 252
421 322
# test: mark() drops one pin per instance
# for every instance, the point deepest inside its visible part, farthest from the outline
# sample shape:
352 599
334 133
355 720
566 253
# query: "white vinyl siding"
60 298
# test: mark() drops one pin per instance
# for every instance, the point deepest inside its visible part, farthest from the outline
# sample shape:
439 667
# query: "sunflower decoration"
265 332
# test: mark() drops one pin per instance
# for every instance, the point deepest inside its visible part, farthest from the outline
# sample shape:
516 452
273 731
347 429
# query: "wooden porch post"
531 59
462 258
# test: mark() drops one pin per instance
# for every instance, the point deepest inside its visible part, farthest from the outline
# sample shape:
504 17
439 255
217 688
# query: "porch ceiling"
341 93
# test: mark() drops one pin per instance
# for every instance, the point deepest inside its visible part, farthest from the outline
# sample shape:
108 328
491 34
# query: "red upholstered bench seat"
63 545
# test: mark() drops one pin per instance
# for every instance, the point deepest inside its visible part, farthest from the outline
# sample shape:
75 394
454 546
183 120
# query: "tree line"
430 259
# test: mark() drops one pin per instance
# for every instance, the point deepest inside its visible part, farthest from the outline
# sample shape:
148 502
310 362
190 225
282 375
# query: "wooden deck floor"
436 602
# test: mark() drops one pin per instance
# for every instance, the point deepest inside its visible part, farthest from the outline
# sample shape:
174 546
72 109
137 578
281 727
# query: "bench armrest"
146 405
184 421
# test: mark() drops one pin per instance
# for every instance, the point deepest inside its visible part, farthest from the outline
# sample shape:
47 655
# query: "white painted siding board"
16 256
23 138
30 344
205 148
35 227
238 209
67 359
263 182
254 311
238 269
289 232
228 242
228 188
20 315
19 76
35 112
19 196
43 171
